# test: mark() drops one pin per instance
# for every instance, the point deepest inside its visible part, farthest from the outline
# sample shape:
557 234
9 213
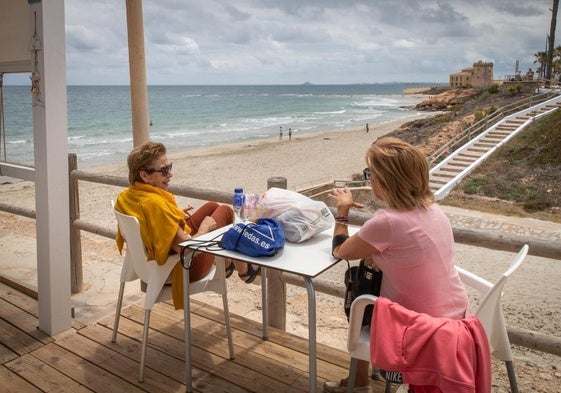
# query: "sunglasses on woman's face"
165 170
366 173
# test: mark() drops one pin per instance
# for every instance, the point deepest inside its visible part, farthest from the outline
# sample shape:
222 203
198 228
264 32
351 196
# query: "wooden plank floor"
84 359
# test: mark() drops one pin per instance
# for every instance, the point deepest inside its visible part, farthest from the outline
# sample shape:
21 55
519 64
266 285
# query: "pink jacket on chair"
433 354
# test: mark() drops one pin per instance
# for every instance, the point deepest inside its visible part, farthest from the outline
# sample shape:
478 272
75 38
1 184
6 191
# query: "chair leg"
388 387
352 375
227 323
144 344
118 312
511 376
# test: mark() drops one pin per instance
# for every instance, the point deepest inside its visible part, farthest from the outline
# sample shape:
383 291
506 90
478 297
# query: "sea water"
188 117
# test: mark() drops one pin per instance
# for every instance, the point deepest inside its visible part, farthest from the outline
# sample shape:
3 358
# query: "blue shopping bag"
262 238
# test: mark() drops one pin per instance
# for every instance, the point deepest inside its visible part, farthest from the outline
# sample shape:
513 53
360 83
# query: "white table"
307 259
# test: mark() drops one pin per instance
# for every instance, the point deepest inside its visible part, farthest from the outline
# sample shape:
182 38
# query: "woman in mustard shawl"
163 225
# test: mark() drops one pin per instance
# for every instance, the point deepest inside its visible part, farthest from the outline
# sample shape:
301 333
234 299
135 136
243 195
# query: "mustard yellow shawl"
158 215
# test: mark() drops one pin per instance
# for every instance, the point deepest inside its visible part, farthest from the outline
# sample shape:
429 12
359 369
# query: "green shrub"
445 117
473 186
455 108
493 89
479 115
515 89
536 205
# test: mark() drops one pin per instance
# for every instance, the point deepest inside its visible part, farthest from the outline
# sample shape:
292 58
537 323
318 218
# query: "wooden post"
76 274
276 301
278 182
137 69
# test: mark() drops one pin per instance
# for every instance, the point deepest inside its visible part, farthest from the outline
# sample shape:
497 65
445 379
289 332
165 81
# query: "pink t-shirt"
417 258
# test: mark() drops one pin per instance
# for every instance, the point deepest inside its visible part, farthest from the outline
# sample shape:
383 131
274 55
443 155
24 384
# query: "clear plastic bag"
299 216
251 207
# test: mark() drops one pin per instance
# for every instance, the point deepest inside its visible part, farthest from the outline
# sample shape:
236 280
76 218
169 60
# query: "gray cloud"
292 41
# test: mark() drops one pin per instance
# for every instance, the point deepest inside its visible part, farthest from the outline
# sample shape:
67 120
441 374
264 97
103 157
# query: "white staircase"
449 172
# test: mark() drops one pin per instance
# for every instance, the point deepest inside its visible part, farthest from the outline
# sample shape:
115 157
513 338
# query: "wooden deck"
84 359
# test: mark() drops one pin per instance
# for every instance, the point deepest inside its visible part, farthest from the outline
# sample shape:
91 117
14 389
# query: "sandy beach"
532 298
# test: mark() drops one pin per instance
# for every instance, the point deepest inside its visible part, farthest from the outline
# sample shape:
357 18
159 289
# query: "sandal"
229 268
250 274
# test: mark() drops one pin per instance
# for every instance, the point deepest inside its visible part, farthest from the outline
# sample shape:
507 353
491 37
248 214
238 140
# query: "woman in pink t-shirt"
410 240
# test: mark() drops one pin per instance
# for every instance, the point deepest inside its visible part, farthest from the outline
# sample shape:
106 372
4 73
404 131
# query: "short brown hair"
402 171
141 157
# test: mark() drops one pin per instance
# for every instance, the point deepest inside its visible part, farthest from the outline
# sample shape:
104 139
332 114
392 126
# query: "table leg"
312 343
187 328
264 293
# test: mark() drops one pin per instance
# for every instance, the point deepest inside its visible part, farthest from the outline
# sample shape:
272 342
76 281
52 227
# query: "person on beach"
280 134
410 240
290 134
163 224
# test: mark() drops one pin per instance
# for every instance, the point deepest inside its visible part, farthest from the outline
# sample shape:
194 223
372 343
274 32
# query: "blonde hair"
402 171
141 157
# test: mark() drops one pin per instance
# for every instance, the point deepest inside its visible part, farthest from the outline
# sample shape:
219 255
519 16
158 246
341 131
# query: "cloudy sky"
293 41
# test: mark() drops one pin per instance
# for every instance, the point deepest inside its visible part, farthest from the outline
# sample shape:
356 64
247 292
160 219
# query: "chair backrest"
358 342
136 264
490 311
135 253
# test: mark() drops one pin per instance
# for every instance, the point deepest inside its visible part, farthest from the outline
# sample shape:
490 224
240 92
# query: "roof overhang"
14 36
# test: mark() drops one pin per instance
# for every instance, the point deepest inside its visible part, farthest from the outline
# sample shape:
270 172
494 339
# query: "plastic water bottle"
238 200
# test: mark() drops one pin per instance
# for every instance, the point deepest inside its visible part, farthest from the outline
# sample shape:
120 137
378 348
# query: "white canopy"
14 36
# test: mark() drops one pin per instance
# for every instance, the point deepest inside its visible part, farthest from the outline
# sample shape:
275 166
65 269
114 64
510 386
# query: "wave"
99 120
20 142
339 112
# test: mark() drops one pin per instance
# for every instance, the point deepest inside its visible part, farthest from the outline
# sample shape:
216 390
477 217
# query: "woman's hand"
344 200
187 210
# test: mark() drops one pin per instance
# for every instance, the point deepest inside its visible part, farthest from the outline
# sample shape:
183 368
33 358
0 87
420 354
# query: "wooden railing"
278 281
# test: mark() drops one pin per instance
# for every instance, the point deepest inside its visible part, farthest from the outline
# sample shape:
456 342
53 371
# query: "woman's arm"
208 224
353 247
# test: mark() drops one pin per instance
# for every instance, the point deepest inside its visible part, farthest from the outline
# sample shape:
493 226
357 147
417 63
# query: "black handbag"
361 280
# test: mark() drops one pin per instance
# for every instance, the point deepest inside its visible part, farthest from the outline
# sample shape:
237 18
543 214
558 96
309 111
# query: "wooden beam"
137 69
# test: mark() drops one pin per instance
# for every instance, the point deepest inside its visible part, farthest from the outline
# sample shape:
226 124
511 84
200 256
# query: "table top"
309 258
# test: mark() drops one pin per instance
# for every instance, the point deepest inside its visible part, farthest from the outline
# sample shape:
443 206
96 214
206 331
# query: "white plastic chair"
136 265
489 312
358 342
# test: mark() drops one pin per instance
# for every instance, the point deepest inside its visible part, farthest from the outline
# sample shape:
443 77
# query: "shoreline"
304 160
298 160
200 115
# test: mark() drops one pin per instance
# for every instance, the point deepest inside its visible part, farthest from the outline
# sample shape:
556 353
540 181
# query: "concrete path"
505 225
